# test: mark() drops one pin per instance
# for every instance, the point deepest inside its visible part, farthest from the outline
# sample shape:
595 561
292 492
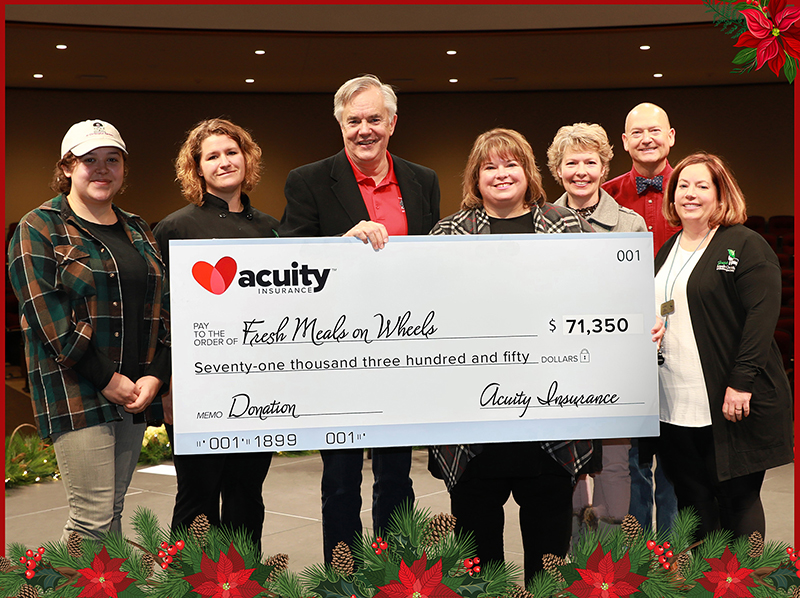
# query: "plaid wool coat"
573 455
70 295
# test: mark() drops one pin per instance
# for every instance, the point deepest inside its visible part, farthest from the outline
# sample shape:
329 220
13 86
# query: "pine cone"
148 562
74 545
550 562
27 591
756 545
684 562
199 528
6 565
796 592
342 559
438 528
279 562
631 528
517 592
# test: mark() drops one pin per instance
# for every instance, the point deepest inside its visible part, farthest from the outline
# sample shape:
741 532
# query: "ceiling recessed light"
451 52
657 75
61 46
261 52
453 80
38 76
249 80
644 47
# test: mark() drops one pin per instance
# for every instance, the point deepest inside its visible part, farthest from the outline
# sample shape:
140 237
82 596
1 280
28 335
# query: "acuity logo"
215 279
296 279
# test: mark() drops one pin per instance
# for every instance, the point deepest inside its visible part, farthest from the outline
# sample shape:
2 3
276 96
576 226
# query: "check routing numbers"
312 344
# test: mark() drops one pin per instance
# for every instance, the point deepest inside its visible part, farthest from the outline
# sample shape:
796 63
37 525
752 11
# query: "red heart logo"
215 279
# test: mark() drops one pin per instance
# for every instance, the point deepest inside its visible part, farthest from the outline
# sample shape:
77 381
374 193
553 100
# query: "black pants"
689 461
545 509
236 478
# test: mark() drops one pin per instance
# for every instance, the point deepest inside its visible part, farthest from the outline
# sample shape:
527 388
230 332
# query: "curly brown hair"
193 186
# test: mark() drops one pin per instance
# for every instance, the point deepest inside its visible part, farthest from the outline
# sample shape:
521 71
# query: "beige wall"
751 125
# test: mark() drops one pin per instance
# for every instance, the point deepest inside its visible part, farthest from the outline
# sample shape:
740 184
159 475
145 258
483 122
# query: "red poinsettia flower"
104 578
226 578
416 582
605 578
772 34
726 579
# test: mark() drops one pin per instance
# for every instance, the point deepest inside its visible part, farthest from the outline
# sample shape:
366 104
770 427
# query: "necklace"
668 307
587 211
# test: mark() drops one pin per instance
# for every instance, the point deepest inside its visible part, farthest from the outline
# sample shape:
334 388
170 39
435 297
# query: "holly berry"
167 559
797 564
477 569
29 553
659 550
172 550
793 558
161 554
379 539
666 565
651 544
669 554
789 550
476 560
467 563
40 550
164 545
662 559
378 551
470 572
37 557
164 566
30 573
31 565
374 545
180 544
384 546
22 559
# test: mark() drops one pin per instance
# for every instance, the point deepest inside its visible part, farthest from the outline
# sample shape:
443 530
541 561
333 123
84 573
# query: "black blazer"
323 199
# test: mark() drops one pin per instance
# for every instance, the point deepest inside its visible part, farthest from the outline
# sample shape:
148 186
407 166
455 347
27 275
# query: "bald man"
648 138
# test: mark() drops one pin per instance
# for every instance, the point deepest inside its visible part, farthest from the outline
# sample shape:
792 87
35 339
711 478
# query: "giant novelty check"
291 344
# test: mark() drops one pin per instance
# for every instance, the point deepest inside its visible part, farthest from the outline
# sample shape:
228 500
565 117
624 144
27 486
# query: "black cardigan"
734 295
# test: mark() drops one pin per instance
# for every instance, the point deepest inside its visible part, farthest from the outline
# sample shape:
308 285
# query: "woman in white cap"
92 295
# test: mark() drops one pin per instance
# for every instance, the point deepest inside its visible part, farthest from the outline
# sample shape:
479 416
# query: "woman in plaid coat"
93 310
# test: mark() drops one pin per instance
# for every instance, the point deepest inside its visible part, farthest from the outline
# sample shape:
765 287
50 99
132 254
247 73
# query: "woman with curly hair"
217 165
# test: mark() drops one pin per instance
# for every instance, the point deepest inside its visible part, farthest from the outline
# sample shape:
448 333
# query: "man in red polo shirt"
648 138
365 192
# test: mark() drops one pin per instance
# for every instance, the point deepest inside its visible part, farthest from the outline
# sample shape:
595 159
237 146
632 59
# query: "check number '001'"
603 324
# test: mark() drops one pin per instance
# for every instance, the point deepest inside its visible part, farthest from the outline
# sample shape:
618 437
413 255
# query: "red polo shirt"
647 205
384 202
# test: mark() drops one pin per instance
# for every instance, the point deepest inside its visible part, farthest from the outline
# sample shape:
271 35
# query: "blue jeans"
341 492
642 493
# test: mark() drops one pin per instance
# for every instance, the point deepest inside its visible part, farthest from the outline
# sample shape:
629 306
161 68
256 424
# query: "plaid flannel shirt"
452 460
69 294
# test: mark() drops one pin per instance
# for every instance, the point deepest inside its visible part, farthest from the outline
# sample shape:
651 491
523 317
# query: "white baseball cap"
83 137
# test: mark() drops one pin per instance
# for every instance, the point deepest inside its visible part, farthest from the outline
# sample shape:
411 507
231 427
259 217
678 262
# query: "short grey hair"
346 92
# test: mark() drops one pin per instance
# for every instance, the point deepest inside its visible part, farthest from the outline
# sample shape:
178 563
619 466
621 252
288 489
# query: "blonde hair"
583 137
731 207
505 143
193 186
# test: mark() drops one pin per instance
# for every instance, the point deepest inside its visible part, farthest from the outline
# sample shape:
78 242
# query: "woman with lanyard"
726 411
92 296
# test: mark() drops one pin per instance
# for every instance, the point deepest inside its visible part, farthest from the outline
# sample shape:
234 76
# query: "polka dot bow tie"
657 183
